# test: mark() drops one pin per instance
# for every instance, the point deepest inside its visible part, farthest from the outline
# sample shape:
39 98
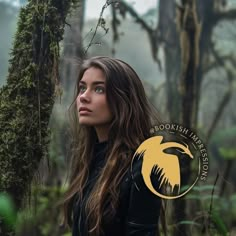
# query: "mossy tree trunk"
26 100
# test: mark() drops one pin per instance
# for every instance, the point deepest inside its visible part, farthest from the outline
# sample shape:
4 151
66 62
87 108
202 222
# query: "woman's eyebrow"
94 83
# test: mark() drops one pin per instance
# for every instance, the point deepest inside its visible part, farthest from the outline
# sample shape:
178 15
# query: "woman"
112 118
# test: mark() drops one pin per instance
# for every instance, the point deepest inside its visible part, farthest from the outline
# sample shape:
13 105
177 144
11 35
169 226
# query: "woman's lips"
84 111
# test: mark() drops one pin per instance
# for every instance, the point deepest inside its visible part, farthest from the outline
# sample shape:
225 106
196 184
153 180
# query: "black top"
138 210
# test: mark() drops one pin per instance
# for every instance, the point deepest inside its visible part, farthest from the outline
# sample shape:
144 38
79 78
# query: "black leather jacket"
138 210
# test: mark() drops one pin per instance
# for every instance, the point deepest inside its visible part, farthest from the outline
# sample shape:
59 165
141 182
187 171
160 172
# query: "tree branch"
114 23
135 15
226 97
152 33
101 22
225 15
212 65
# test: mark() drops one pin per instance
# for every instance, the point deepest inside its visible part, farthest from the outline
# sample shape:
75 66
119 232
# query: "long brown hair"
133 118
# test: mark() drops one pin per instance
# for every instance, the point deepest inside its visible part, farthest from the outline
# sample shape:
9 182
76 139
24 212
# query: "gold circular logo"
164 157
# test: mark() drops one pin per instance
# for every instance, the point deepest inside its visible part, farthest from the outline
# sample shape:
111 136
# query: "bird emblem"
165 165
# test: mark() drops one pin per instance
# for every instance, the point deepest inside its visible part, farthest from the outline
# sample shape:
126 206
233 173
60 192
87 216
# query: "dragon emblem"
165 165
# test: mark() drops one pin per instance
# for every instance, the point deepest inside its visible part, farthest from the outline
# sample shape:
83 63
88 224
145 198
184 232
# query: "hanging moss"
26 100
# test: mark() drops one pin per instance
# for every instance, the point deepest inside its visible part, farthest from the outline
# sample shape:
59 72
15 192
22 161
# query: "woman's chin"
86 122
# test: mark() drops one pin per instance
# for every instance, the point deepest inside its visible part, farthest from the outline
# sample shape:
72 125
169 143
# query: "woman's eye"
99 90
82 88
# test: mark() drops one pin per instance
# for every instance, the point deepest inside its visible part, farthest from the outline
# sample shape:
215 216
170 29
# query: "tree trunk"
27 99
169 38
73 52
69 64
189 34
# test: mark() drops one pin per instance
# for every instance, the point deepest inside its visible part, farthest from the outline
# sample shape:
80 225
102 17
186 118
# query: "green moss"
26 100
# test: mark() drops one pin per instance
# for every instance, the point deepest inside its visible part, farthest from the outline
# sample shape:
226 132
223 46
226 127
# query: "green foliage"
225 137
228 153
42 219
189 222
7 210
219 224
213 207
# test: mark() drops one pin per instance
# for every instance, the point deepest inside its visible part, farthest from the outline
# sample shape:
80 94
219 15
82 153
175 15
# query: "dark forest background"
184 52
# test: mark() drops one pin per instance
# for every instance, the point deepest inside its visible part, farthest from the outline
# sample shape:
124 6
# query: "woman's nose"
85 96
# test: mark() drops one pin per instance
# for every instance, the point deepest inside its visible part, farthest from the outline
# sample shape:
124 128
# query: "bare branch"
226 98
100 23
226 15
214 64
115 21
223 103
135 15
152 33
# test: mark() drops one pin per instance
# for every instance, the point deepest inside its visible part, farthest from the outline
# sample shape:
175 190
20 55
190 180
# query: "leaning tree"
27 99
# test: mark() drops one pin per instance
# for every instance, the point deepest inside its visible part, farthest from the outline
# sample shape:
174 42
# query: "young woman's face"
92 106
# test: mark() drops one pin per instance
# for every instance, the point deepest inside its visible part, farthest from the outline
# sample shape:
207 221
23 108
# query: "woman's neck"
102 133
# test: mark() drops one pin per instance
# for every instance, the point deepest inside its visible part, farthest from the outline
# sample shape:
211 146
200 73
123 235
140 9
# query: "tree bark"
27 99
73 51
189 35
72 55
168 35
